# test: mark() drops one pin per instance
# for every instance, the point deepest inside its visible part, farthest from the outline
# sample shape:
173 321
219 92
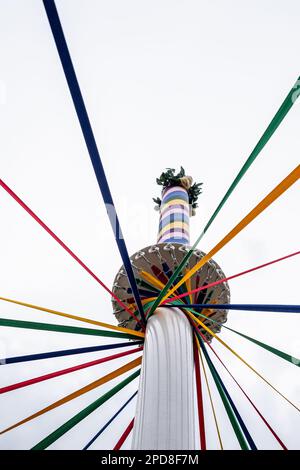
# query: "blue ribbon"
88 134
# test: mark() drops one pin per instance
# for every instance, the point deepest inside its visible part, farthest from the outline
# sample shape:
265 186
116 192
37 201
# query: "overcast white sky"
166 83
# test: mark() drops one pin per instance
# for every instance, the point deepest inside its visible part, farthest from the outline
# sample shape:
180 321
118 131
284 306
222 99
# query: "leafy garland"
168 179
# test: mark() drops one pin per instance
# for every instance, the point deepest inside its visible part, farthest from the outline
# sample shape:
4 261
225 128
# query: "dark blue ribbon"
254 307
66 352
108 422
88 134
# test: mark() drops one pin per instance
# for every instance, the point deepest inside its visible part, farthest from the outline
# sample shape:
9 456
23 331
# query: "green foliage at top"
168 179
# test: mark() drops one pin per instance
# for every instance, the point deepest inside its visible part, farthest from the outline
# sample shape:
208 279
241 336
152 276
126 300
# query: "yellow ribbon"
199 322
152 280
189 286
74 317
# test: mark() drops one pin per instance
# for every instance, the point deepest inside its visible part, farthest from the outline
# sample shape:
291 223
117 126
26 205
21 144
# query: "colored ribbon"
245 394
157 283
283 186
142 283
277 119
277 352
65 352
78 393
210 395
188 288
58 373
62 244
69 71
229 411
220 281
83 414
287 357
124 435
143 293
62 328
247 307
240 358
109 422
75 317
152 280
234 408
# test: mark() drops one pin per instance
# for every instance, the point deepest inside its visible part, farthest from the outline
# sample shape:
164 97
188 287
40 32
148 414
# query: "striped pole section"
174 220
164 418
165 412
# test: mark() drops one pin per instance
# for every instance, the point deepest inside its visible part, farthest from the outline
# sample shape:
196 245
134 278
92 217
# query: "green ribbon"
269 348
63 328
83 414
276 121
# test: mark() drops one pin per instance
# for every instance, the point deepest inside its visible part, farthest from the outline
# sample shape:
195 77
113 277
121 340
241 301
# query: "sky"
166 83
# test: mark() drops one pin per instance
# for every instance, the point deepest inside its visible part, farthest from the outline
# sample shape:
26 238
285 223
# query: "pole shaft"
165 409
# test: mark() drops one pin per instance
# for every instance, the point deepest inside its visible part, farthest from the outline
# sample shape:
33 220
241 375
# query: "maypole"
165 413
142 296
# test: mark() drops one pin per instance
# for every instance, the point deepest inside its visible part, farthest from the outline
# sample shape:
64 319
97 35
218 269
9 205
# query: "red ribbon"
230 277
124 436
41 378
243 391
63 245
